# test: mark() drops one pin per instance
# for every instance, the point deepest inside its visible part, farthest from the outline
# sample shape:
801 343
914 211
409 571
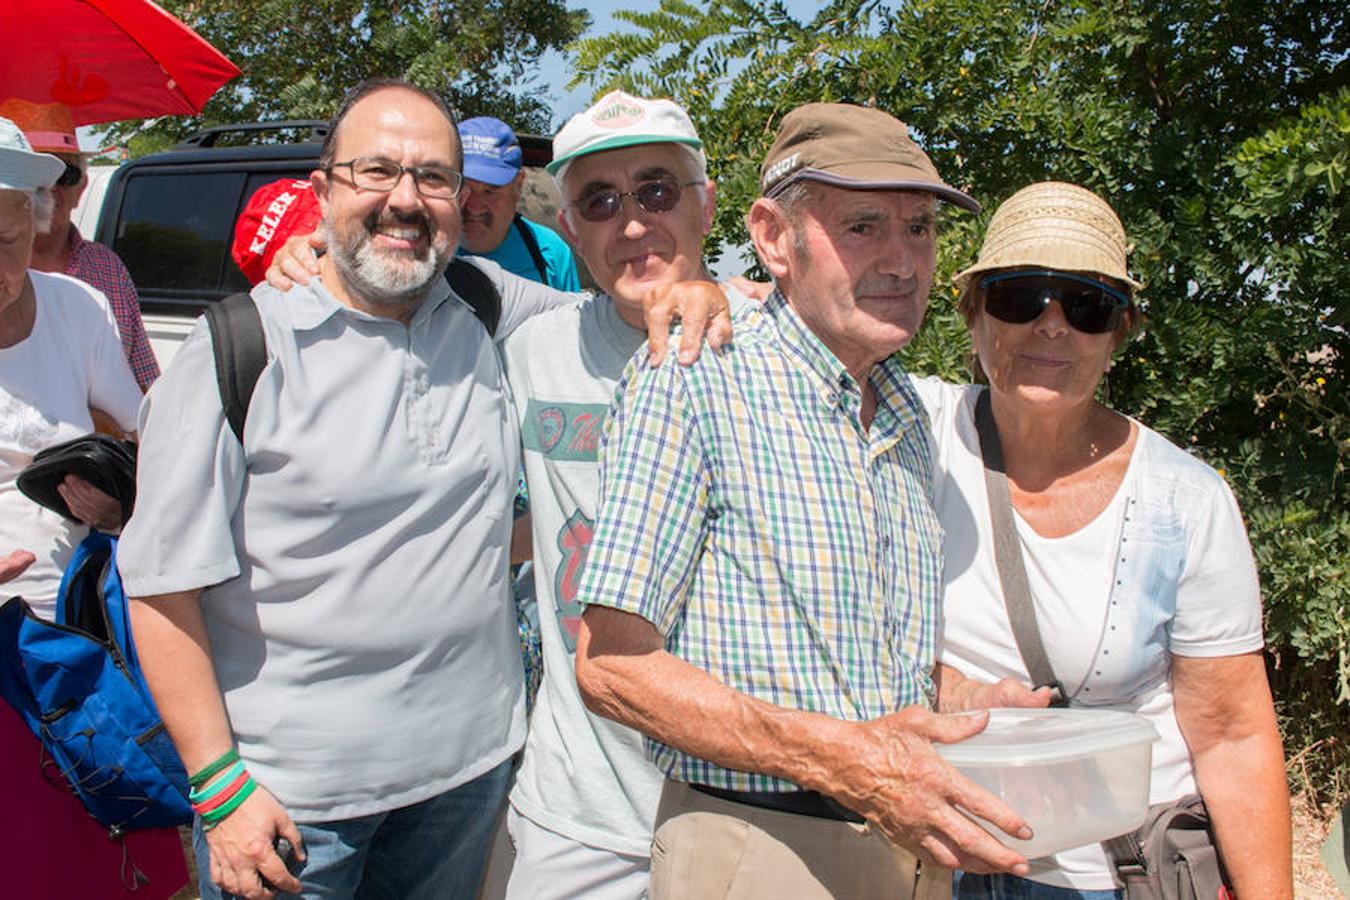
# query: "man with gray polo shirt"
322 612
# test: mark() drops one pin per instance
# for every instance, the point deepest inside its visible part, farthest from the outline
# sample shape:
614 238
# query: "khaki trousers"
706 848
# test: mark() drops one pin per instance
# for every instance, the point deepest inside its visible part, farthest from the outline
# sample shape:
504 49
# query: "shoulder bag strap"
1012 571
532 245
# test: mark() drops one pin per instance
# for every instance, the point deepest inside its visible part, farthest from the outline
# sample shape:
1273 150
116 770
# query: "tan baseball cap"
852 147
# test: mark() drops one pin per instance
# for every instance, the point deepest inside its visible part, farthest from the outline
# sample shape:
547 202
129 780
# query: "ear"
709 205
566 225
319 179
771 235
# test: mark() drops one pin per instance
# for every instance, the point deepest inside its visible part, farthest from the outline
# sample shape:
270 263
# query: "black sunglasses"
656 196
1089 305
71 176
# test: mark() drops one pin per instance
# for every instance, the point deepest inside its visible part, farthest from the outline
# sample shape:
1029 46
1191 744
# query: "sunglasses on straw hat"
1018 297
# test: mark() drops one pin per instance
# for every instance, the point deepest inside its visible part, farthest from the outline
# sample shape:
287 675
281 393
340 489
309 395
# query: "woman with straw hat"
1140 575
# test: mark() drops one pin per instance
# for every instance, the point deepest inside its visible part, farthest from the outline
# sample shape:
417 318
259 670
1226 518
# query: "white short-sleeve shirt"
71 361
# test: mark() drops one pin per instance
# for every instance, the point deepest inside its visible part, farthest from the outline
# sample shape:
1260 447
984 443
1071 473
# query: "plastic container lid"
1030 737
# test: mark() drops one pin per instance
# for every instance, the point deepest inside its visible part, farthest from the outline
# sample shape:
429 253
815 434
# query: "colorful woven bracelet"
202 775
222 796
206 792
216 816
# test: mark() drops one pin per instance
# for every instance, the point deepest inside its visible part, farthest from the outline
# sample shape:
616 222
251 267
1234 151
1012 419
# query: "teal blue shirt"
513 256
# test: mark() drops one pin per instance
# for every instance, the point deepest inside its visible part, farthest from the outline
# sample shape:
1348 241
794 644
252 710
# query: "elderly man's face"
487 211
857 267
16 244
637 250
389 247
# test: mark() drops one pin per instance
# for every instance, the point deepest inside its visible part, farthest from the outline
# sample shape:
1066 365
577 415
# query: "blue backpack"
77 685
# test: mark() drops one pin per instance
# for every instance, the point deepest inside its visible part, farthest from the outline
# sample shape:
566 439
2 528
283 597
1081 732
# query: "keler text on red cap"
274 213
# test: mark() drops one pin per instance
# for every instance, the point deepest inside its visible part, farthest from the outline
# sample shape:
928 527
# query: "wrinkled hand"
12 566
700 306
960 693
1009 692
90 505
242 853
900 784
297 261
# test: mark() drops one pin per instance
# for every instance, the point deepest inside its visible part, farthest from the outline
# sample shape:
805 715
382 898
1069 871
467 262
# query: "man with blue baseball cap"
493 179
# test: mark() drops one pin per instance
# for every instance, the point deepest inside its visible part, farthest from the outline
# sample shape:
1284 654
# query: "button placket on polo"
417 394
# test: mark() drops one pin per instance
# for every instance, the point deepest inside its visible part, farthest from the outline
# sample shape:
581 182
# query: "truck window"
174 229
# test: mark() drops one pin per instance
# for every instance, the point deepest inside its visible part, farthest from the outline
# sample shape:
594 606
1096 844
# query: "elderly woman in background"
1142 580
60 355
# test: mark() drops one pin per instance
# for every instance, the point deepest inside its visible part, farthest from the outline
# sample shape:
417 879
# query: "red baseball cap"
274 213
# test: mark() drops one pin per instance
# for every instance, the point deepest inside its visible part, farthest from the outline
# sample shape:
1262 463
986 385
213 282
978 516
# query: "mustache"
407 219
886 284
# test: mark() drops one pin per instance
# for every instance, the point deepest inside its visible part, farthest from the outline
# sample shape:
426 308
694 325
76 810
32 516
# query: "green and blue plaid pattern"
770 539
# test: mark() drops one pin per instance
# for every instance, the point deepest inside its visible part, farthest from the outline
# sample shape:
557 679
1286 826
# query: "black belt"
800 803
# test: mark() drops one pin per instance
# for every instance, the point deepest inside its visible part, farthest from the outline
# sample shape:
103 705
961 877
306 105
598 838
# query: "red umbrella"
106 59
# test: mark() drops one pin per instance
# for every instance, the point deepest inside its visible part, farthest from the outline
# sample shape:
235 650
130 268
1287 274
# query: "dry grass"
1311 824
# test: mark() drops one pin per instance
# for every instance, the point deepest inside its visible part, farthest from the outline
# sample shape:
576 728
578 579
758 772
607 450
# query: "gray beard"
382 282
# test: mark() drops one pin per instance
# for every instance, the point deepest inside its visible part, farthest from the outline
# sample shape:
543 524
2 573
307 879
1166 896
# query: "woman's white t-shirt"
1091 641
71 361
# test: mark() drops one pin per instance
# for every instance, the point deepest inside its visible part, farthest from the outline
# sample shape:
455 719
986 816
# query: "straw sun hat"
1053 225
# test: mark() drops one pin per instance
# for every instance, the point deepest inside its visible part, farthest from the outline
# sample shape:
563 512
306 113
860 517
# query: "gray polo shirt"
353 551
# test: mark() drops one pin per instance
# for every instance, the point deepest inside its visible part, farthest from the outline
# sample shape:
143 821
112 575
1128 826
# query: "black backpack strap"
476 289
240 349
532 245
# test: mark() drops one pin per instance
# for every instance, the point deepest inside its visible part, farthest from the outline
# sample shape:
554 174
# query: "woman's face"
16 244
1045 362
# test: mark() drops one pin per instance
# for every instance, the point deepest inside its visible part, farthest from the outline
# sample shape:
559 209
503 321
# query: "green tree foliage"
298 59
1220 131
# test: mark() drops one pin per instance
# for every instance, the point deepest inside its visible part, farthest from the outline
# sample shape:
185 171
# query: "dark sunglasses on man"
656 196
1018 297
71 176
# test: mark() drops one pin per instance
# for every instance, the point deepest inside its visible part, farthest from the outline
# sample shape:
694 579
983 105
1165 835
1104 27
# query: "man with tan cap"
764 578
59 247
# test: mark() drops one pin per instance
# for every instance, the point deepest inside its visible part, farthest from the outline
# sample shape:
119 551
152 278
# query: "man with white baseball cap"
492 228
637 204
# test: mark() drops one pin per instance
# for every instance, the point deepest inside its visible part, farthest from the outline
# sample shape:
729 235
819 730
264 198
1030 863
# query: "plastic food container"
1077 776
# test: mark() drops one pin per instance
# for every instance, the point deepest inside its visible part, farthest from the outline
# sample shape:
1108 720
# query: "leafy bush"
1220 131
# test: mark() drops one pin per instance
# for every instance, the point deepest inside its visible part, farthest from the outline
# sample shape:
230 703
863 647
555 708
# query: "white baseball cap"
619 120
21 169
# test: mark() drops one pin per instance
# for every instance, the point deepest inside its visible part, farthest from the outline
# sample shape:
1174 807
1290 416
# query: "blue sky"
555 72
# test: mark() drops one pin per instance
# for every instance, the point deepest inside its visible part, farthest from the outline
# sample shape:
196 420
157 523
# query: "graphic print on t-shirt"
564 431
567 433
573 541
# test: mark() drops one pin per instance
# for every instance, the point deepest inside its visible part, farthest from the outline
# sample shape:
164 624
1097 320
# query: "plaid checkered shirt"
771 540
100 267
